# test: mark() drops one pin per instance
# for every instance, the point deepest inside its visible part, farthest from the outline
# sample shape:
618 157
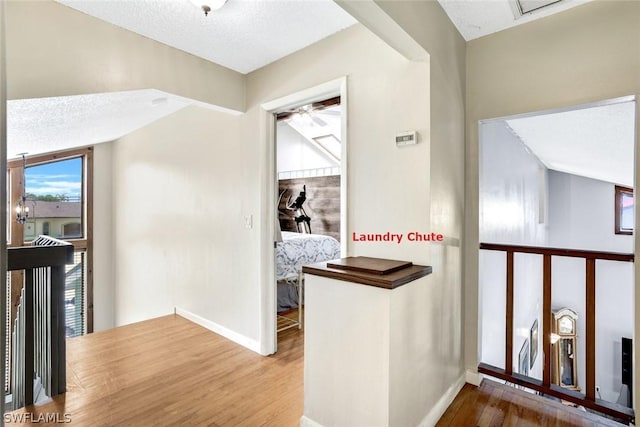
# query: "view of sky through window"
63 178
627 212
54 199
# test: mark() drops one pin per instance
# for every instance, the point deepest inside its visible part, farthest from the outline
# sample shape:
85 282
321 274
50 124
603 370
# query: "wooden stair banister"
588 399
39 333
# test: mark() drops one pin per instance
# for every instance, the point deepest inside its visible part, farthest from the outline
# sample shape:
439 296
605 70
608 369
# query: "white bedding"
296 250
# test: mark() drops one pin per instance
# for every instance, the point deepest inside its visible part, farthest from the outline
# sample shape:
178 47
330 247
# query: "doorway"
556 258
306 196
308 168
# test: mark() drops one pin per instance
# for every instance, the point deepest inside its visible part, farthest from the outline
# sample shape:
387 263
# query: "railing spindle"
28 336
588 399
590 296
546 319
508 348
58 332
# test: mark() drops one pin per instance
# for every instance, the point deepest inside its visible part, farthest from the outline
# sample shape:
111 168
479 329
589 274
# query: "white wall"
180 239
296 153
103 283
192 177
581 216
377 77
364 361
389 187
182 185
570 58
348 354
512 199
420 187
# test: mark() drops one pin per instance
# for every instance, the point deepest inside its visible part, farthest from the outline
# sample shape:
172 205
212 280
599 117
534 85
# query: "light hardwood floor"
171 372
493 404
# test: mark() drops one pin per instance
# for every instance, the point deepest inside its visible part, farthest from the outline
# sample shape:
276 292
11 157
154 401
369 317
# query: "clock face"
565 325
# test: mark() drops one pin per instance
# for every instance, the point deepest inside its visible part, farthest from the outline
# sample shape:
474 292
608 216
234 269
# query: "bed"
296 250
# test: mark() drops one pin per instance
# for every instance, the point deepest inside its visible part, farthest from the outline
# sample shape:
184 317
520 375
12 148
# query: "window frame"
86 242
620 191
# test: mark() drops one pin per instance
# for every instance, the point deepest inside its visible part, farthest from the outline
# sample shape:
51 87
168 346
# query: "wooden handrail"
25 257
588 399
575 253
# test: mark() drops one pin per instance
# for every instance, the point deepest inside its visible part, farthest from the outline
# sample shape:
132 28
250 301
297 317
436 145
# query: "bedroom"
309 150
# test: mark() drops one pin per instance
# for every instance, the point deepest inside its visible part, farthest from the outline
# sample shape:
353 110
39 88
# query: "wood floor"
171 372
493 404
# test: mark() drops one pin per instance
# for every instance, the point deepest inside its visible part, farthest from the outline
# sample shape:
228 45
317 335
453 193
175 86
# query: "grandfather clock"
564 338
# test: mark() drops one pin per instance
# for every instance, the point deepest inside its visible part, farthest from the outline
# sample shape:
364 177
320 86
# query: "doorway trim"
268 296
602 103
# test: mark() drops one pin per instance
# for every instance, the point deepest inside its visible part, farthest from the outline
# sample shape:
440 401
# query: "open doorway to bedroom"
309 161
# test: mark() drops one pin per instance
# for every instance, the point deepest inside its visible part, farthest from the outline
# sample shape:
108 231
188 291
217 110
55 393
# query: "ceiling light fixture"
208 5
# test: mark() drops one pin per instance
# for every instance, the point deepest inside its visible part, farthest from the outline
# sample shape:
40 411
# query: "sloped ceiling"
43 125
244 35
595 142
247 34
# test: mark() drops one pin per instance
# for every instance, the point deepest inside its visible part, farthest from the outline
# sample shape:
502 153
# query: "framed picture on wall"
523 359
533 338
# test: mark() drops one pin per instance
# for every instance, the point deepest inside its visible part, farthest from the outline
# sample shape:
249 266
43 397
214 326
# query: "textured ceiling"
247 34
44 125
477 18
244 35
594 142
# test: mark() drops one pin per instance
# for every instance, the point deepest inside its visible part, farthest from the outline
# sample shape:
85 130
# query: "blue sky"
63 177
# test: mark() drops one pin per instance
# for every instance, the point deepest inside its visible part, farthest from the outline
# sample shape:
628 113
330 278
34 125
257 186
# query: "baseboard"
237 338
439 409
308 422
432 417
474 378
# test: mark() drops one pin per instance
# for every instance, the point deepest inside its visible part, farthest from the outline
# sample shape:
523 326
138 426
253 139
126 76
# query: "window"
624 210
72 230
331 145
75 295
58 188
55 198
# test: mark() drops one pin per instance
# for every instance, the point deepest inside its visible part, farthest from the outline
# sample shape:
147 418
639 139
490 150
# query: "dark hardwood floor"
494 404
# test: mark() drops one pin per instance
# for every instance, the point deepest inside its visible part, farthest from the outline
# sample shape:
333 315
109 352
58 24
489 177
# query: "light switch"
248 221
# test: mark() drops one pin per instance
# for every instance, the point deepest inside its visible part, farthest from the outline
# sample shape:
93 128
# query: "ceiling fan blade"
284 115
326 103
330 112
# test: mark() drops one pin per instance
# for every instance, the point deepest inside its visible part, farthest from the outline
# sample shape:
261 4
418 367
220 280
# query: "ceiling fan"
310 110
